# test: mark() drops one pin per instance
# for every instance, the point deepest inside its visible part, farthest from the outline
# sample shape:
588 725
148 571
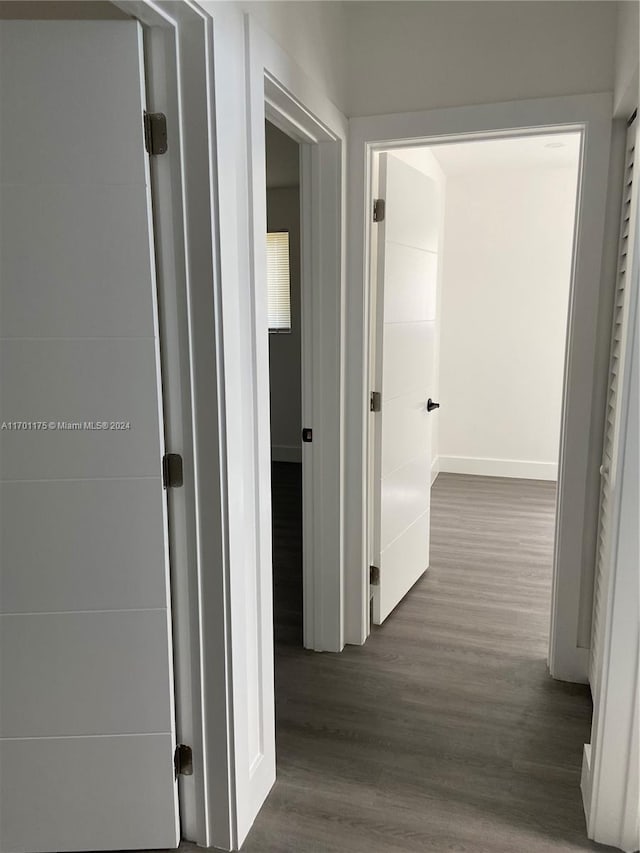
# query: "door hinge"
183 760
374 575
378 209
375 402
172 475
155 133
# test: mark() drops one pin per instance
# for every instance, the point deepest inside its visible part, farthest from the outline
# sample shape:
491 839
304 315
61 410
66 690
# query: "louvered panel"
599 584
596 611
612 419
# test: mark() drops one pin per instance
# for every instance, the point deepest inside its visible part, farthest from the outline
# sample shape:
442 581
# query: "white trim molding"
248 78
520 468
591 115
280 91
199 275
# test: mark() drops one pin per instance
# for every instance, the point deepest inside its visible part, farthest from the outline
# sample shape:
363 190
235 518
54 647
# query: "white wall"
506 276
419 55
283 214
626 63
314 34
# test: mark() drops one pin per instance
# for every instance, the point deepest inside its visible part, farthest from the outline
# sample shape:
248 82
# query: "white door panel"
93 568
63 99
60 788
404 496
87 733
414 201
407 349
72 381
401 565
59 293
69 700
405 425
409 300
405 341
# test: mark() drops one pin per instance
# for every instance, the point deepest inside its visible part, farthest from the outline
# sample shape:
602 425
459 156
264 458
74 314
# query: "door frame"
321 133
592 116
180 82
212 63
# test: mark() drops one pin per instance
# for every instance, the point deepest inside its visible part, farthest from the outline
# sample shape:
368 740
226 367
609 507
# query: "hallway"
444 732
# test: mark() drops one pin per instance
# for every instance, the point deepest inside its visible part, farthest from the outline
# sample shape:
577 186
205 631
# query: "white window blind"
278 281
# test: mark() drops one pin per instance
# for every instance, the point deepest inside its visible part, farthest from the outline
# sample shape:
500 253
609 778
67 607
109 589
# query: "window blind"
278 281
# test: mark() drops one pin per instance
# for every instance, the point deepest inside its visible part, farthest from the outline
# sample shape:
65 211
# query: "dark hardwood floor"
445 731
286 497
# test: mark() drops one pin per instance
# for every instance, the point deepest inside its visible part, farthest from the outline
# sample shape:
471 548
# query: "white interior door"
87 731
405 341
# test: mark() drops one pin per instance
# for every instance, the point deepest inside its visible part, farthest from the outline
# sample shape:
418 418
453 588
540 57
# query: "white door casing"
87 711
405 359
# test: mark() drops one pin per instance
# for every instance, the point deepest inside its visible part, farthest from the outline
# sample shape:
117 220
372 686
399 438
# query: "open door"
87 735
405 340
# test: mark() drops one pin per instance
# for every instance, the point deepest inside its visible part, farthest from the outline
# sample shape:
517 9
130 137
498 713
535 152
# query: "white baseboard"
435 469
499 467
285 453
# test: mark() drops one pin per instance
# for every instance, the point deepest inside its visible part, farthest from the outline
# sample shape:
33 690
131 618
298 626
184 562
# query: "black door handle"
431 405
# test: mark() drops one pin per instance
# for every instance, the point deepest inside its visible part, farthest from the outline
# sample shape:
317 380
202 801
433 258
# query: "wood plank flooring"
444 732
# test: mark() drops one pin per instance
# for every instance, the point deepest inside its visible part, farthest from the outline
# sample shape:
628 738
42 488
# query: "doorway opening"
471 271
284 303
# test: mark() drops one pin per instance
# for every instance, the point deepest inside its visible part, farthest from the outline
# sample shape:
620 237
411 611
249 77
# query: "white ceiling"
549 151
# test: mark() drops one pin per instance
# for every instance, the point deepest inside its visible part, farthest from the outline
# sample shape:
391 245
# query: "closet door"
87 733
618 360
